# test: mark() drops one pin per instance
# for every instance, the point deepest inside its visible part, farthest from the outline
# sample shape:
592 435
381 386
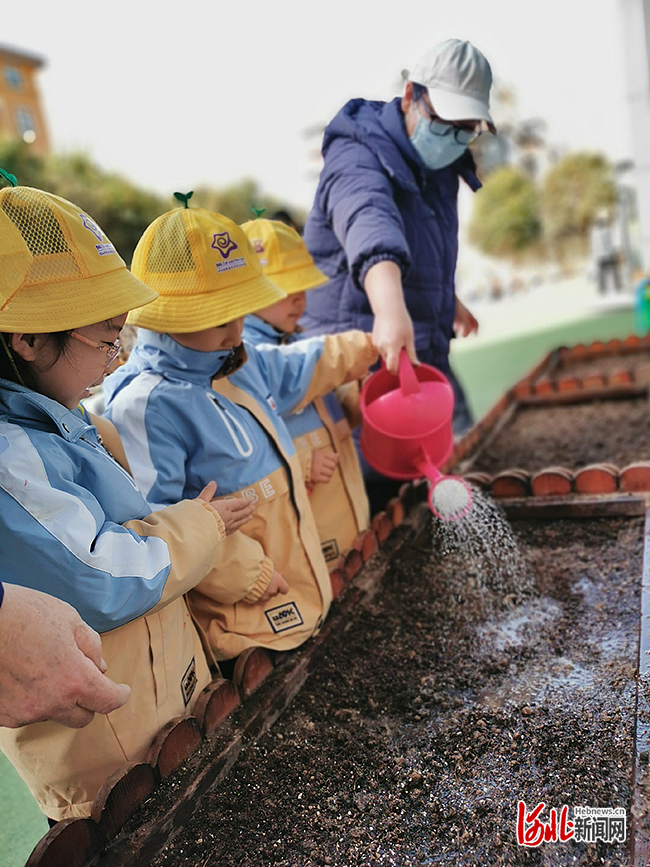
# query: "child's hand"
464 322
234 511
323 464
277 585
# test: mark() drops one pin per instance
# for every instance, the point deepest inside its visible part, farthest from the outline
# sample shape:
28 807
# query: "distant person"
321 432
384 224
604 254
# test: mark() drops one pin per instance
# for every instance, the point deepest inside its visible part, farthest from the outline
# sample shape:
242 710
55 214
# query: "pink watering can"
407 434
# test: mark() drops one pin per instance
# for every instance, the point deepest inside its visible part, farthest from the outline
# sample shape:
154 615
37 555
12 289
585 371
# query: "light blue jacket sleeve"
299 372
59 542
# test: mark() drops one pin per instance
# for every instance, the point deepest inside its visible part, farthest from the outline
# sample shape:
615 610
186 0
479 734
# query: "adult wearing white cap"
384 224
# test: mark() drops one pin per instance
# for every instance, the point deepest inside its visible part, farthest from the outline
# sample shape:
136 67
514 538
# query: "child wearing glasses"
193 402
73 522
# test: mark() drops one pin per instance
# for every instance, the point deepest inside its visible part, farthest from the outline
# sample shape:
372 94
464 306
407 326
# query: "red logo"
532 832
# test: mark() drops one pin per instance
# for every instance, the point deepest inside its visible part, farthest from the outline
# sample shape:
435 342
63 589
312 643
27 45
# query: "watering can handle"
408 381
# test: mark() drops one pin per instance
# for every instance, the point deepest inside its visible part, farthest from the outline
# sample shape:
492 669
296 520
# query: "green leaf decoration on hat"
184 197
11 178
258 212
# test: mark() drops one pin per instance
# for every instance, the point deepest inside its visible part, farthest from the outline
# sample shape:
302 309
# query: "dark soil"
572 436
457 691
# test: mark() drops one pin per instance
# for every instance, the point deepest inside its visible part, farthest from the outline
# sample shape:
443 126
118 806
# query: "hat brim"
46 308
458 106
299 279
185 313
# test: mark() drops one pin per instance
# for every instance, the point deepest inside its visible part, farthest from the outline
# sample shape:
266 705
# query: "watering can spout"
450 497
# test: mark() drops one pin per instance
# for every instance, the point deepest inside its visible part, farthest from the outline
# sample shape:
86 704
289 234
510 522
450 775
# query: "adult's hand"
51 665
393 328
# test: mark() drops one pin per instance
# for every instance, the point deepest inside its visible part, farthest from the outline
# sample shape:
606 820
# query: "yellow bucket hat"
283 255
204 269
71 275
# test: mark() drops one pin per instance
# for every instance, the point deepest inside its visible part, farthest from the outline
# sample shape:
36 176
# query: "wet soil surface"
470 681
572 436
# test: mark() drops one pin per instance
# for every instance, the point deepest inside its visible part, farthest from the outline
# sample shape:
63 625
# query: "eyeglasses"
111 350
462 134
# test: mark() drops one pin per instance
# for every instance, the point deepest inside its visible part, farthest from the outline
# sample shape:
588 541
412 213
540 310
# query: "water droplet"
481 552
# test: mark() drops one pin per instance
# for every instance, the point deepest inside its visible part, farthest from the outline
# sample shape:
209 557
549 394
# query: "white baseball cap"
458 78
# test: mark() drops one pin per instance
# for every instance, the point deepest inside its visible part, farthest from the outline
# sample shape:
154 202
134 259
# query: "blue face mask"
438 151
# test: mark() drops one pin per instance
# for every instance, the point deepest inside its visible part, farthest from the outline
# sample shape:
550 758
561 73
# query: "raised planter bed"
429 705
456 691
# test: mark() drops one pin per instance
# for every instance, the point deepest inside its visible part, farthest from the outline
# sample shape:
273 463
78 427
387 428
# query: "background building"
21 113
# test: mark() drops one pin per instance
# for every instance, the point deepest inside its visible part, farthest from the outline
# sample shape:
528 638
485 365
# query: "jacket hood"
380 127
256 330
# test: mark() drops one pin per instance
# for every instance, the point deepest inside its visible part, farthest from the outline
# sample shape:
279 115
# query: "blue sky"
207 92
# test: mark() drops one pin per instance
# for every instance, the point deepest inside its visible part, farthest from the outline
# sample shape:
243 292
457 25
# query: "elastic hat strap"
11 359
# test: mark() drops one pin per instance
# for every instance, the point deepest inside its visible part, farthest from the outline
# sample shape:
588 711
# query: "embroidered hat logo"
92 226
222 242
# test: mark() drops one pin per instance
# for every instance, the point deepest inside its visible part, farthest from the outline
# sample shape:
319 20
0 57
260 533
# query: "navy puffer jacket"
375 201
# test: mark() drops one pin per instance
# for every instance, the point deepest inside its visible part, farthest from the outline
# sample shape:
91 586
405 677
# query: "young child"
73 523
321 433
193 402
